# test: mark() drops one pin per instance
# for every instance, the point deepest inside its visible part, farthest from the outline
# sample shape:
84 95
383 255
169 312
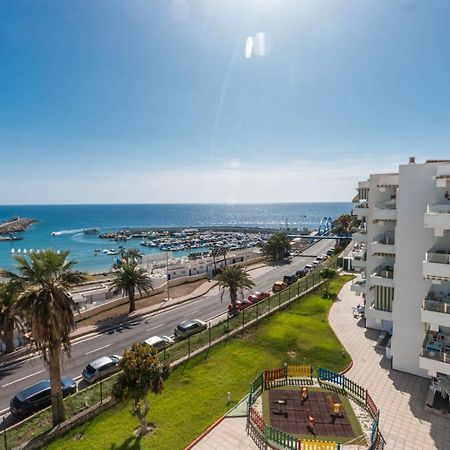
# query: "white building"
404 259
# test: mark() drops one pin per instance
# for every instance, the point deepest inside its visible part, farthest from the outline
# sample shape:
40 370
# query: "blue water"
71 219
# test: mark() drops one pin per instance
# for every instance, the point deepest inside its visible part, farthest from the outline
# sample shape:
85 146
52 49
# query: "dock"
15 225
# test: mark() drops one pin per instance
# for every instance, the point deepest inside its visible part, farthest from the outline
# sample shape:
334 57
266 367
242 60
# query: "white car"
189 327
100 368
159 342
316 262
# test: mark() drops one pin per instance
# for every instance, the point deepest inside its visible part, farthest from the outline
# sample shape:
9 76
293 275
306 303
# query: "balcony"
385 211
359 259
383 276
384 244
360 236
436 308
438 217
437 265
378 313
359 286
443 175
435 353
361 210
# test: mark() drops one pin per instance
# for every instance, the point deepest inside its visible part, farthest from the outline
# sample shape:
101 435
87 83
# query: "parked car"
258 296
37 396
319 258
330 251
301 272
189 327
100 368
316 262
289 279
159 342
240 305
279 286
309 267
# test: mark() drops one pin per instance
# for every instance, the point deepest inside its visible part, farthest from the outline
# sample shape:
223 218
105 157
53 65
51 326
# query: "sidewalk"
400 396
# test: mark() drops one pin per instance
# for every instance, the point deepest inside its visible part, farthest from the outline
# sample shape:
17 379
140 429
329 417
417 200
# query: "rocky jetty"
15 225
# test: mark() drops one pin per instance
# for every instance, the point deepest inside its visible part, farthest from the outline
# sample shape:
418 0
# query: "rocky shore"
15 225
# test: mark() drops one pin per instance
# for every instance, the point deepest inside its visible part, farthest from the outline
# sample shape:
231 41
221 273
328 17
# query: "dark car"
37 397
189 327
290 279
301 272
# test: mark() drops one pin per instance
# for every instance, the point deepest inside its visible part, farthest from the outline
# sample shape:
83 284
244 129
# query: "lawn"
195 395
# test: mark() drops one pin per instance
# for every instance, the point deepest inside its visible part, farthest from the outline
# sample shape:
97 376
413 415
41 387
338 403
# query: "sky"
214 101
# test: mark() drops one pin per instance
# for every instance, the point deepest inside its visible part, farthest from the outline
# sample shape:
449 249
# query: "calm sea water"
71 219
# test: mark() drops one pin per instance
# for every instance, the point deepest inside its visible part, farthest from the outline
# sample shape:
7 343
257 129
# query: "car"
330 252
289 279
319 258
309 267
37 396
240 305
189 327
258 296
159 342
316 262
279 286
301 272
100 368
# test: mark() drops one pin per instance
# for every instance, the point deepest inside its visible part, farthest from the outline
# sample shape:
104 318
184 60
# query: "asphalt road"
17 376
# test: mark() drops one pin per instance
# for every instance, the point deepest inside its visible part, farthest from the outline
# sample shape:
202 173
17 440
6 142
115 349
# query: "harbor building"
402 251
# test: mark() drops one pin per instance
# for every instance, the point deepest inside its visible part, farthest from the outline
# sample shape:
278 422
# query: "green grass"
195 395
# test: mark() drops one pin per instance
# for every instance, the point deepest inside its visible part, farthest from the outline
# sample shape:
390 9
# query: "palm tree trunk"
131 300
9 337
143 418
233 298
55 383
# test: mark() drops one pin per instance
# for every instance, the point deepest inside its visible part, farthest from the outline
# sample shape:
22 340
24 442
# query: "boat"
94 230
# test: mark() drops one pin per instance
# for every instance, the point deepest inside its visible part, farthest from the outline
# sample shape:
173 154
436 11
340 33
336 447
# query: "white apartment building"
403 253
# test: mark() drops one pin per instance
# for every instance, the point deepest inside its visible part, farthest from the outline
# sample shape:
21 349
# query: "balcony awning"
356 198
384 254
384 220
438 278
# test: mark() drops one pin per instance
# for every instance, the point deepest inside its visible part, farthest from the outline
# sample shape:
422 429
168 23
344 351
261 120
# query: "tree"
327 274
277 246
9 319
47 307
142 373
129 279
133 255
236 280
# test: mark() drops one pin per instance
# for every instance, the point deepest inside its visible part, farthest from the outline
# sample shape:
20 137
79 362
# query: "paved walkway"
401 397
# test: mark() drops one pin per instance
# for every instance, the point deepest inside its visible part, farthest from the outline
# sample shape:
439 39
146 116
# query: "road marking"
3 411
154 328
97 349
193 312
87 339
23 378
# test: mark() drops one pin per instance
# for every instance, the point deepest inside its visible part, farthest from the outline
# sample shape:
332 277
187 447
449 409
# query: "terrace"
435 354
436 308
437 216
385 211
383 275
436 265
384 243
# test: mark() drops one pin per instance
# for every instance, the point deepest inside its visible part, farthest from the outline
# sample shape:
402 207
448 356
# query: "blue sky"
155 101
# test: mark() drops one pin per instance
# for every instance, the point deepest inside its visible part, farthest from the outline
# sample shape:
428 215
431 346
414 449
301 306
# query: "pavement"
89 343
404 423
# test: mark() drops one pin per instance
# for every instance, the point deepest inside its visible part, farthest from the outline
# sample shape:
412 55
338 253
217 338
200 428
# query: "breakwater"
15 225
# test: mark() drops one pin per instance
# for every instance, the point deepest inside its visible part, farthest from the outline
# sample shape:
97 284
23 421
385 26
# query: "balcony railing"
436 305
438 208
438 256
359 255
379 308
386 239
436 346
384 272
442 356
390 204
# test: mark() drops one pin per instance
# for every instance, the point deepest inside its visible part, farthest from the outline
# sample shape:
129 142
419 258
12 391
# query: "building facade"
403 254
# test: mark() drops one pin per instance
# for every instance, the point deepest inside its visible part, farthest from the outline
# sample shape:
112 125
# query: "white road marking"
3 411
97 349
23 378
154 328
86 339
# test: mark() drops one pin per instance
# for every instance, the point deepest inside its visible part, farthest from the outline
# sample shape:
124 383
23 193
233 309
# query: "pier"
15 225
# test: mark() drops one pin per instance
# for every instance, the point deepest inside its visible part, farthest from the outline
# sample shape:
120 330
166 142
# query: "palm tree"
236 280
133 255
9 319
277 246
47 307
129 279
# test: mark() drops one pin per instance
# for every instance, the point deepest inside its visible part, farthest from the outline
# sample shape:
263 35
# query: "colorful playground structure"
301 419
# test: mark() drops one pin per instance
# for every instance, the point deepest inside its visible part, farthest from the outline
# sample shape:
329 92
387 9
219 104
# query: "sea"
68 222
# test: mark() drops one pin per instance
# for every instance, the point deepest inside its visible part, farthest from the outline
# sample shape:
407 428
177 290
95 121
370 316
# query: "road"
18 376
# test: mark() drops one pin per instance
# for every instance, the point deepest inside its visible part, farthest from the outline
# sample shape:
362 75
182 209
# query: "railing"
439 306
377 307
383 272
438 256
391 204
436 355
438 208
385 238
359 255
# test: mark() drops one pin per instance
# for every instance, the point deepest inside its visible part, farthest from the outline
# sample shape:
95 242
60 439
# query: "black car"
301 272
290 279
36 397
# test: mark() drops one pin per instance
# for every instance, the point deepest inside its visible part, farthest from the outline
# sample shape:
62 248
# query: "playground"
321 414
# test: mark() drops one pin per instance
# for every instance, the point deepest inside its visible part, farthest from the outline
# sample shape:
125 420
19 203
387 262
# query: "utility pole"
167 273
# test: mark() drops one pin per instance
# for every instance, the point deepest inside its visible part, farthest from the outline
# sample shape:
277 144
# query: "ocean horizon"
69 220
